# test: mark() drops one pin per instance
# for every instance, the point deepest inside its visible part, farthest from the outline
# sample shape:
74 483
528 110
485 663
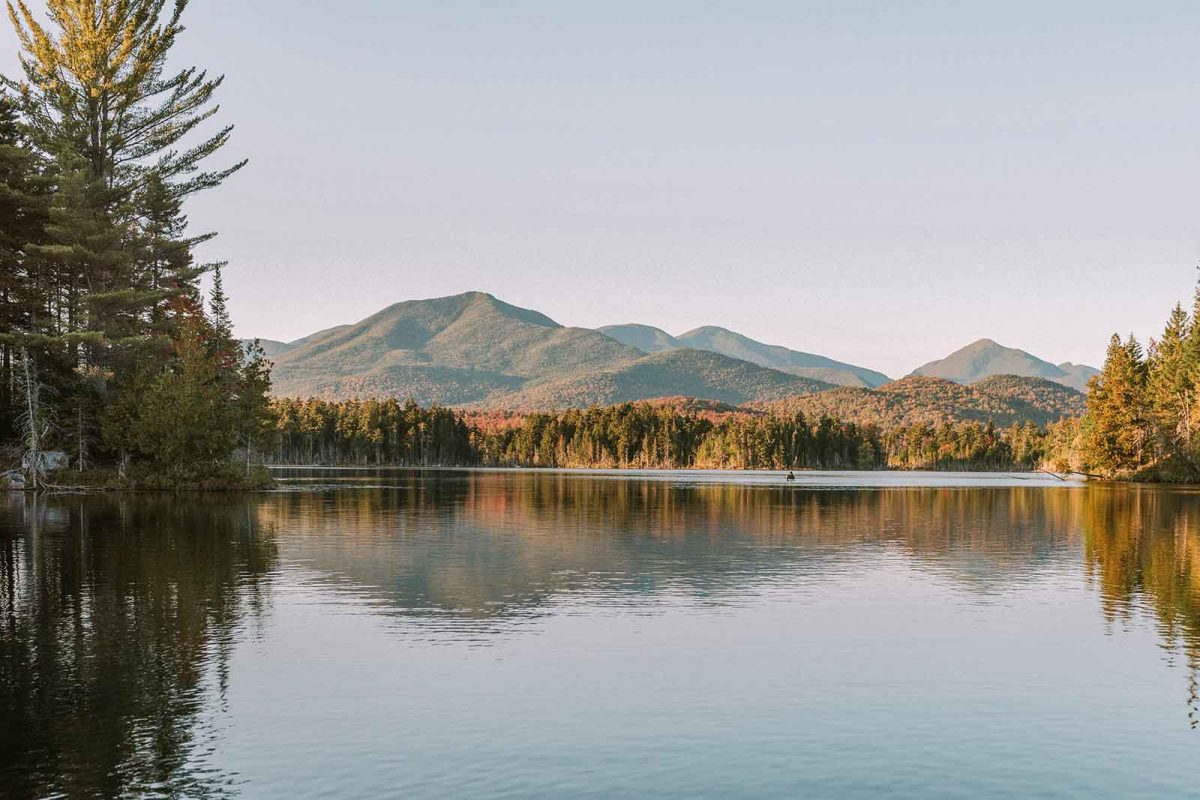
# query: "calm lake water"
531 634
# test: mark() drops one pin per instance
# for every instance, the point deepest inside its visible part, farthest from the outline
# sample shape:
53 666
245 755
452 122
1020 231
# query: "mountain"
473 349
674 373
735 345
1079 375
1003 399
646 338
985 358
448 350
271 347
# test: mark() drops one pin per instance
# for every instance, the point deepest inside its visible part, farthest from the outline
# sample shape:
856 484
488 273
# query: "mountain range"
474 350
728 343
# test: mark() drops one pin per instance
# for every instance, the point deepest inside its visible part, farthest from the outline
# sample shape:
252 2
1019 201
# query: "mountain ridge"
984 358
715 339
474 350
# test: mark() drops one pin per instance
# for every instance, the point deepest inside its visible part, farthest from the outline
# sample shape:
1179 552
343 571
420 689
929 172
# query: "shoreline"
283 476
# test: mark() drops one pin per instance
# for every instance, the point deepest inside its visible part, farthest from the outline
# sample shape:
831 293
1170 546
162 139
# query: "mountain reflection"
117 618
494 544
495 547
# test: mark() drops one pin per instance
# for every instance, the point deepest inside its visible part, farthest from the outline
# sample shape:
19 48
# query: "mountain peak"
985 358
710 330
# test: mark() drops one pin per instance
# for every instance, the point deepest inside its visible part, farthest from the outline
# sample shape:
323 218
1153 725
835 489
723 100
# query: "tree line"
109 350
1143 409
634 435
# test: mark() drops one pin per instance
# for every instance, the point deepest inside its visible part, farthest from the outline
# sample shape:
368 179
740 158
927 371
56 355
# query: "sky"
881 183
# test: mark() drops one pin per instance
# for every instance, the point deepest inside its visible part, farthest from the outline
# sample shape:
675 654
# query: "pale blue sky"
877 182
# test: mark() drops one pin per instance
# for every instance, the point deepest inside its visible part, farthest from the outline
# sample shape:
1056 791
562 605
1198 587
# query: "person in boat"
791 476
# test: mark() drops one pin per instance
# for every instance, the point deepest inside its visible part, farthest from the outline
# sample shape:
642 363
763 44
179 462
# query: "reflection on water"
496 544
1143 550
122 620
117 617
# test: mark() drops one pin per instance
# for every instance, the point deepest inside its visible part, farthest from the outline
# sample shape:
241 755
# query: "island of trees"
109 352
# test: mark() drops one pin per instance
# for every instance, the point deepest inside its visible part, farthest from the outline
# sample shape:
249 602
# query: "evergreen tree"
1119 427
102 108
100 288
22 223
184 425
253 412
218 306
1170 381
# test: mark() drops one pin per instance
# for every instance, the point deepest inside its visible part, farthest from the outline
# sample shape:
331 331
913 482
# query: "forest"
1143 409
634 435
110 352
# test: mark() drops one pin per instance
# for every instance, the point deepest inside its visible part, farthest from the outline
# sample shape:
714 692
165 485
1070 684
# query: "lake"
513 634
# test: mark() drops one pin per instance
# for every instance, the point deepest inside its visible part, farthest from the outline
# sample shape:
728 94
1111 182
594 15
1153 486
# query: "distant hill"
675 373
271 347
986 358
646 338
1004 399
475 350
735 345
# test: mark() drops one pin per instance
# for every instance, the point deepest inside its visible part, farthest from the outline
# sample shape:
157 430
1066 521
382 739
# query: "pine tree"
96 86
255 418
1170 381
22 223
184 424
113 124
1118 417
218 306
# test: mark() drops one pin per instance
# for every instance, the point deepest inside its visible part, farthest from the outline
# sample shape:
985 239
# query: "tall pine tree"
1170 381
122 134
113 287
1119 429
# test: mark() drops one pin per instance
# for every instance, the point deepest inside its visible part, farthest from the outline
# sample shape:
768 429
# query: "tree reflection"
116 624
495 545
118 615
1142 547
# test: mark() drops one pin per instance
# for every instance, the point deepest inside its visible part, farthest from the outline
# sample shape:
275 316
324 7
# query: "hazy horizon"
880 185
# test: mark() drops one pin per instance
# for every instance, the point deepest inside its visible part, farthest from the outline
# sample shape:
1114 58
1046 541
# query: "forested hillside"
690 373
475 350
1003 400
730 343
